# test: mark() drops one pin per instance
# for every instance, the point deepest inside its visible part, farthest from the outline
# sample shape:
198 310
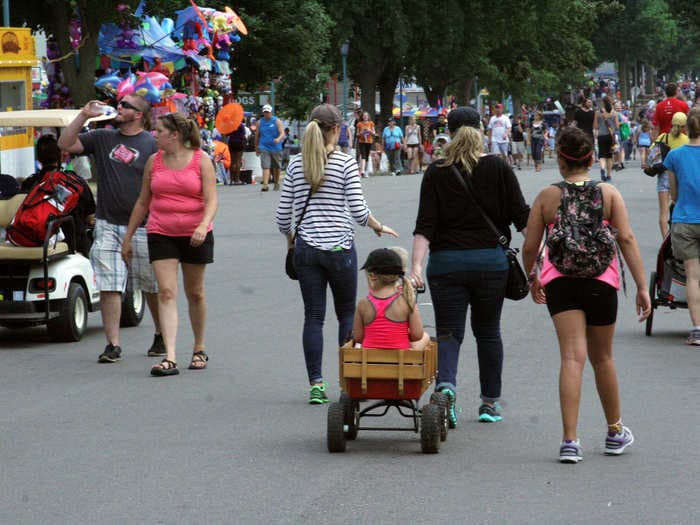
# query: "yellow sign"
17 47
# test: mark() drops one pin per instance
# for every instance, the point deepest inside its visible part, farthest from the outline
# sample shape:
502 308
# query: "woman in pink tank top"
179 196
388 317
584 309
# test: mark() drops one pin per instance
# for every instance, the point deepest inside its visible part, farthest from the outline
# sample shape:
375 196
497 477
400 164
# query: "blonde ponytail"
313 155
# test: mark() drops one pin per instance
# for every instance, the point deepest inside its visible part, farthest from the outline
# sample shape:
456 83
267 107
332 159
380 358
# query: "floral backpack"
580 244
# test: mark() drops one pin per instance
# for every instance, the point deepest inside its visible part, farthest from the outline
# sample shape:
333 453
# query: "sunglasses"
126 105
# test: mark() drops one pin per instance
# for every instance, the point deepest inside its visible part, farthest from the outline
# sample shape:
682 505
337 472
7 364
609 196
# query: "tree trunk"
623 75
79 75
367 80
387 88
465 94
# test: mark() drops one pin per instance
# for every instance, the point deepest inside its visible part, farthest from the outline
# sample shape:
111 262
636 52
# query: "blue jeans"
452 294
316 269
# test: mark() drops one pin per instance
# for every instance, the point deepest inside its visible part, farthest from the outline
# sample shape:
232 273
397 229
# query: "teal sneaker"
489 413
317 394
451 410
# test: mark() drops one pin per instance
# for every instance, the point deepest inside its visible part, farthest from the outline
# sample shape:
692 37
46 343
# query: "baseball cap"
499 106
463 116
326 113
383 261
679 119
267 107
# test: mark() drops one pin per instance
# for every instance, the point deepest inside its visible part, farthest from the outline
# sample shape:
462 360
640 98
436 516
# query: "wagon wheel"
652 295
350 419
440 399
430 423
335 434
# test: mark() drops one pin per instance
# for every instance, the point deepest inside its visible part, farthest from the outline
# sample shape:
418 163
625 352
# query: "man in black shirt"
518 141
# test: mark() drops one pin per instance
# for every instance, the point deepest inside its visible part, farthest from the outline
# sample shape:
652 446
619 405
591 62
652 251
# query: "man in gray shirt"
120 155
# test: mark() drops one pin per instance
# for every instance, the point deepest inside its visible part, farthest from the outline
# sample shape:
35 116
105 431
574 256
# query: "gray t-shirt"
119 162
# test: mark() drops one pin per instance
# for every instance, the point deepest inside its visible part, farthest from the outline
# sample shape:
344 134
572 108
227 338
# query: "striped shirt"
328 222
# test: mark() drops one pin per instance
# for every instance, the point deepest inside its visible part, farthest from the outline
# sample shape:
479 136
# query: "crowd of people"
158 199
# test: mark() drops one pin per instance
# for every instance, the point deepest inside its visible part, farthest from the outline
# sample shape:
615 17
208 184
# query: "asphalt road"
89 443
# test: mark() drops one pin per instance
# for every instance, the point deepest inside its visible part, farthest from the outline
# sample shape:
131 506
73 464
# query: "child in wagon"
388 317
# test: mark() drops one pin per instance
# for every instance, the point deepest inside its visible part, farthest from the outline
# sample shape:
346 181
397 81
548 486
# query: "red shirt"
665 110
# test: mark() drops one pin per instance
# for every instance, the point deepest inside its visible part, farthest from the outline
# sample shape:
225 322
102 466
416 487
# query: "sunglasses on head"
126 105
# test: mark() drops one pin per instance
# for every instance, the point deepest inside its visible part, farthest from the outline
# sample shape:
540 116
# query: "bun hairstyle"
574 148
318 134
187 129
693 123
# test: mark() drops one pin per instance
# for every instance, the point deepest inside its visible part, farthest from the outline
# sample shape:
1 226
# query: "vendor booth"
17 58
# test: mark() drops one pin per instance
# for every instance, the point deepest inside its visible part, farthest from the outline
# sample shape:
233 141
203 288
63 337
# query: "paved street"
88 443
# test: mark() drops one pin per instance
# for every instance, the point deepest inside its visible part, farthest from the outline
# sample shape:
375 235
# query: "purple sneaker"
615 444
570 452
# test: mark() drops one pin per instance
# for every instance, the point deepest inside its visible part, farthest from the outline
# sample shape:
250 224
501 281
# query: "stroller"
667 283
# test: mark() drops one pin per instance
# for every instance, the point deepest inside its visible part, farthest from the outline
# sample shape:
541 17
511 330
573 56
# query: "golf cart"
53 284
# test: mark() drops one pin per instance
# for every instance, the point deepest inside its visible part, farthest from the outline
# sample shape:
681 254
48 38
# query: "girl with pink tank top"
388 317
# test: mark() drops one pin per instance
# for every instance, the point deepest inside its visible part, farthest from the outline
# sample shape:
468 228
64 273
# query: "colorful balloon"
167 25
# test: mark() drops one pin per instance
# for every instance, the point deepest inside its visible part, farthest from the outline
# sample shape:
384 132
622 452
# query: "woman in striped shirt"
322 187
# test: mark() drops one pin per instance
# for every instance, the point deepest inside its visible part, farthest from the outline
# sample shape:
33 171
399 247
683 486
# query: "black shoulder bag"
517 286
289 261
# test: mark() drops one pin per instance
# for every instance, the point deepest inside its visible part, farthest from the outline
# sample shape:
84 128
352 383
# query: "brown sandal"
165 368
199 361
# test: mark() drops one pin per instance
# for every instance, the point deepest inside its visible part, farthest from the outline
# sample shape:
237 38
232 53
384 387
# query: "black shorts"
165 247
597 299
365 148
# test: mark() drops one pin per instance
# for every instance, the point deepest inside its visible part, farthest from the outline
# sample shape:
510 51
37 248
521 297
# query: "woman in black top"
467 266
584 116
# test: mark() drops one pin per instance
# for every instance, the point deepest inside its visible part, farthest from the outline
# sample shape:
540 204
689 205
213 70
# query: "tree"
643 30
54 18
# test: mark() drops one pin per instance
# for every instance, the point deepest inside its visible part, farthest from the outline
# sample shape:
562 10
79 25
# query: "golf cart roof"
43 118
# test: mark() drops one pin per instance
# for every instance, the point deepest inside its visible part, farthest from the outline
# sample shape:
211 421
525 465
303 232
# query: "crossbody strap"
303 212
502 239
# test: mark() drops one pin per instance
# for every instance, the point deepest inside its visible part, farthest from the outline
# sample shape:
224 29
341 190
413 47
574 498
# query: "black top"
516 133
584 120
446 216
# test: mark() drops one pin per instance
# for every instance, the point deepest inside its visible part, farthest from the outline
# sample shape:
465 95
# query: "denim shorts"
662 183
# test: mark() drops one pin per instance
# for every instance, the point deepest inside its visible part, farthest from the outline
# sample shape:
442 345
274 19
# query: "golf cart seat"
8 208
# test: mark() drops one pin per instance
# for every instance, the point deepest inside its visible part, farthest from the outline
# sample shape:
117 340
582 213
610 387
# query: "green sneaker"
451 409
490 413
317 394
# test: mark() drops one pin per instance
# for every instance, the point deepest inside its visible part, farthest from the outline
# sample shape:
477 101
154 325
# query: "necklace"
577 178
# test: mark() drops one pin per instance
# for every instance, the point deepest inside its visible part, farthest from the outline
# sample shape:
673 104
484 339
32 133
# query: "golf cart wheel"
652 295
72 319
335 432
430 423
133 308
440 399
350 419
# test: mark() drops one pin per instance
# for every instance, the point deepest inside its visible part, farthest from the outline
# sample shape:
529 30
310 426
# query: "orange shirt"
365 131
222 153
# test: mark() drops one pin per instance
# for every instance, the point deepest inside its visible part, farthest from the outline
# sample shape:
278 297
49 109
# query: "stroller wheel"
652 296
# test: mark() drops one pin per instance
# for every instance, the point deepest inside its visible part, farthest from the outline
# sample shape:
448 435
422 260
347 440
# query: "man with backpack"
120 155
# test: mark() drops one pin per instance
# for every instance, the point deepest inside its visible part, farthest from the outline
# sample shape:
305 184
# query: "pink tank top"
177 203
610 276
383 332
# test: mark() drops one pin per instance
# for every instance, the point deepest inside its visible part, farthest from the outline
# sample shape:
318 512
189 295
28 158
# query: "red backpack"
55 196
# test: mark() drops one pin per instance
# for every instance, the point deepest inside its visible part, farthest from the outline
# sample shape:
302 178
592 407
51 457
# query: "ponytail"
676 130
313 155
408 293
693 123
